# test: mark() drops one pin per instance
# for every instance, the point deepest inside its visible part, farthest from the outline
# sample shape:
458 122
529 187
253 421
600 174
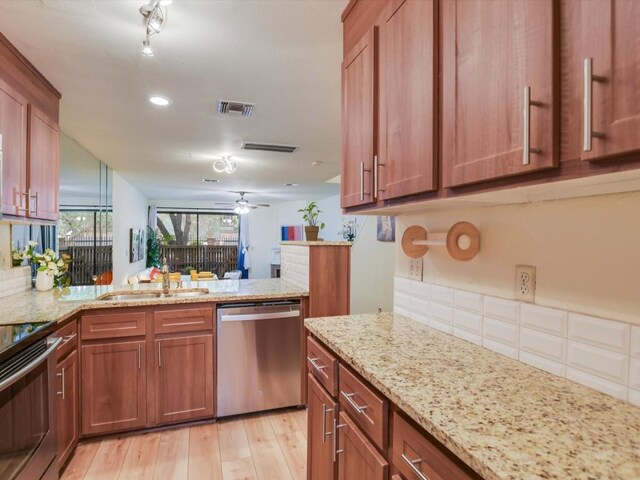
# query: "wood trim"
4 40
347 9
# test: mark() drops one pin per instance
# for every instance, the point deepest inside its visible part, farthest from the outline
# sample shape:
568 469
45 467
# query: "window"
200 241
86 236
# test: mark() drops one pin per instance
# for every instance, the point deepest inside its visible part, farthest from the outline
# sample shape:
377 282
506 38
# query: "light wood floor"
269 446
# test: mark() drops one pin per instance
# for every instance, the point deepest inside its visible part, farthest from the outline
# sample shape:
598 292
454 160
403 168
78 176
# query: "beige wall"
586 250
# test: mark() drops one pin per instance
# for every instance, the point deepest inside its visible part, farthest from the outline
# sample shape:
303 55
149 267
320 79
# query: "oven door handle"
52 346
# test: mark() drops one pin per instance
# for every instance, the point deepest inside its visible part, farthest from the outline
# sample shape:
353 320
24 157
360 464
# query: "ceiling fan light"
242 209
230 167
147 51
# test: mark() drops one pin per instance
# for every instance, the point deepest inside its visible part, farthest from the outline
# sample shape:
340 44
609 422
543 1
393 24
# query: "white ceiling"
282 55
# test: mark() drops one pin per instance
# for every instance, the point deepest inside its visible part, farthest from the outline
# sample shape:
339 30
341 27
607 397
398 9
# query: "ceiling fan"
242 205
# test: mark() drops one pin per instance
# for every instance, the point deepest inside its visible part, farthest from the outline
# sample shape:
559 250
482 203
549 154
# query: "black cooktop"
14 338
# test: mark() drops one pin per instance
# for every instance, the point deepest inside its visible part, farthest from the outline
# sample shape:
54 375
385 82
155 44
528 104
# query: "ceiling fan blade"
228 204
261 204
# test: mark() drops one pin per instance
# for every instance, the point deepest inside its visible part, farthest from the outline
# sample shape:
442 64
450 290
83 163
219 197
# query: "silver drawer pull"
412 465
62 382
313 361
526 143
349 397
587 105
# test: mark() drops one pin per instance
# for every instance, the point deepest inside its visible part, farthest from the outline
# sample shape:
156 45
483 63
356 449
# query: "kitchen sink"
115 296
186 293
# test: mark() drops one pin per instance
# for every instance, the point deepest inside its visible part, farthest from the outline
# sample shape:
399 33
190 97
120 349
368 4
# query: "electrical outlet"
525 288
415 269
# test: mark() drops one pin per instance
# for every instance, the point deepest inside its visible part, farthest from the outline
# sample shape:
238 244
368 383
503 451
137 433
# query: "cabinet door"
611 96
359 105
67 406
184 375
408 103
498 89
358 458
44 165
114 387
321 419
13 128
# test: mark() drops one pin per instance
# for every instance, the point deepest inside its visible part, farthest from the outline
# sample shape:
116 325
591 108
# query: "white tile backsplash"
543 363
600 353
14 280
598 361
634 346
501 309
441 294
469 301
499 331
599 332
552 347
597 383
545 319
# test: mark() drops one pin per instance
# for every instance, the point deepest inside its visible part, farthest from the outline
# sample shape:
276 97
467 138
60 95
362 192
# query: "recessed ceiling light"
316 163
160 101
210 180
290 184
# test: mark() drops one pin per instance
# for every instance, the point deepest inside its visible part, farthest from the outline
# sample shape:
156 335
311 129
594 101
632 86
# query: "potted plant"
52 271
310 215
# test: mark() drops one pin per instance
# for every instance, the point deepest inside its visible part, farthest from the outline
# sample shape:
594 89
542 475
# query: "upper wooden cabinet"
498 97
44 166
600 83
29 107
13 128
407 154
359 107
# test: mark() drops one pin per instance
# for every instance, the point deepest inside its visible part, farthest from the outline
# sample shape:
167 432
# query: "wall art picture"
291 233
136 245
386 229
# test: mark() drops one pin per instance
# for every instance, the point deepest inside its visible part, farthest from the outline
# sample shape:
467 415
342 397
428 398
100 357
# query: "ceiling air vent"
269 147
235 108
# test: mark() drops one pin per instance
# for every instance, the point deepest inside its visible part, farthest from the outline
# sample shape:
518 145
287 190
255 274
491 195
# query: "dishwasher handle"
259 316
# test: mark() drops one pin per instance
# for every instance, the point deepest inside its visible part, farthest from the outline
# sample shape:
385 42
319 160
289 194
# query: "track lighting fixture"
155 14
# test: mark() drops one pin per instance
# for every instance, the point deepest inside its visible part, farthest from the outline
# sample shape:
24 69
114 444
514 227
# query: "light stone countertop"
34 306
503 418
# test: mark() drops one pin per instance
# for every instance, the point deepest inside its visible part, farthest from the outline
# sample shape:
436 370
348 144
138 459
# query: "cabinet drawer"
412 452
183 320
113 325
368 409
323 366
69 334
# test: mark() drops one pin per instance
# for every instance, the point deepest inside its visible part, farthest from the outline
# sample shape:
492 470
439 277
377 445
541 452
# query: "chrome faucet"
166 282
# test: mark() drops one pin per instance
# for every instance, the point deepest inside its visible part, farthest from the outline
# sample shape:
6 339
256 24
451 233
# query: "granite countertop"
34 306
503 418
319 243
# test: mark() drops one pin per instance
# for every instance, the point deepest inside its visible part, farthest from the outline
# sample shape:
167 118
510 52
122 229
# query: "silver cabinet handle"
67 339
62 379
29 197
259 316
313 363
349 397
587 105
412 465
20 208
325 410
526 128
37 197
159 355
139 357
362 181
375 176
336 451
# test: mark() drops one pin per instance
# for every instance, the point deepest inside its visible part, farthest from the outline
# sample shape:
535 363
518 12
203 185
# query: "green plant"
187 270
154 252
50 263
310 215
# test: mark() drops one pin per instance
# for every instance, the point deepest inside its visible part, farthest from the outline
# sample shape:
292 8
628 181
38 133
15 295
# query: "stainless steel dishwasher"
259 362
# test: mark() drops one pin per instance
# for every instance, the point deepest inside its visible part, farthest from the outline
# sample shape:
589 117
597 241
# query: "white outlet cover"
525 283
415 269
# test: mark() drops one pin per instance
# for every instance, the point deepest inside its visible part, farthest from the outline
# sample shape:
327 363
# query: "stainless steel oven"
28 434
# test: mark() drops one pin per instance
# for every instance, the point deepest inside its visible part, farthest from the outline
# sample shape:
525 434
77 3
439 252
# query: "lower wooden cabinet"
114 387
184 378
322 417
67 408
357 457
